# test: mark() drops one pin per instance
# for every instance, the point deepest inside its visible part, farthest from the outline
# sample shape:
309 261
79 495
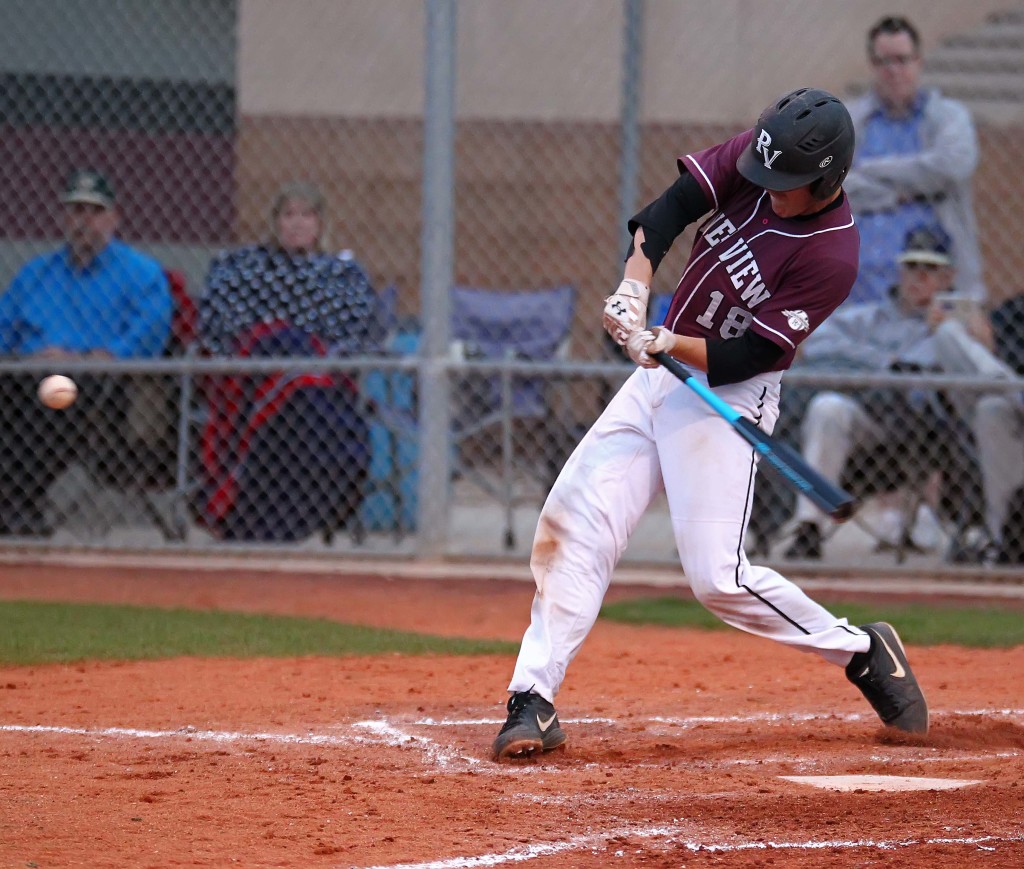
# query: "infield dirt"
678 741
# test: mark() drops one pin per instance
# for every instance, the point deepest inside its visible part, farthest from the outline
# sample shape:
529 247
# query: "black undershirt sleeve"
740 358
665 219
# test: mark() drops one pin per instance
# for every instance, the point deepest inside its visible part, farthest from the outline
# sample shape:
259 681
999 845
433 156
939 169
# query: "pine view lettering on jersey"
738 260
743 272
718 228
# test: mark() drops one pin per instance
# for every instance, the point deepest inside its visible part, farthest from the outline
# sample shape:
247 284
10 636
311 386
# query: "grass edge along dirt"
36 632
918 623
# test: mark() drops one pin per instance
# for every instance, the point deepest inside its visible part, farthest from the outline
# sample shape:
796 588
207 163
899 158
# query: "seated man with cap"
94 297
890 428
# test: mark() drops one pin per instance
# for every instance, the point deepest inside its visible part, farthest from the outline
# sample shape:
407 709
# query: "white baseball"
57 391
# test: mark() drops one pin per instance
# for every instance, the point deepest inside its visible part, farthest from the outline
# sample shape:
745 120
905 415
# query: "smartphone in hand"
956 306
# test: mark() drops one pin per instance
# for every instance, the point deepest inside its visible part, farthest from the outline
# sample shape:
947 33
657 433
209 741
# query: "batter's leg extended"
708 476
582 532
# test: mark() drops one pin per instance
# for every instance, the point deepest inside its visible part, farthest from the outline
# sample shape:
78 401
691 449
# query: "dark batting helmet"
806 137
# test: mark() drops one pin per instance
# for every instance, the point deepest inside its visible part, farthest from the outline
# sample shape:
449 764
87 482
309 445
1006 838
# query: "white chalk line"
670 834
780 718
187 733
879 844
799 761
488 722
620 795
445 759
381 733
532 852
441 759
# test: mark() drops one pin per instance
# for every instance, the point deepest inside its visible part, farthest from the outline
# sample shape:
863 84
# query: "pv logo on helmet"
764 141
825 162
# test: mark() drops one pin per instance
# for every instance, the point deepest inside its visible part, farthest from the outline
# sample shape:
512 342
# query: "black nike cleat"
884 677
531 726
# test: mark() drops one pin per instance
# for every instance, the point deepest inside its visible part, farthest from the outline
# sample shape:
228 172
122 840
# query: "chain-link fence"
241 280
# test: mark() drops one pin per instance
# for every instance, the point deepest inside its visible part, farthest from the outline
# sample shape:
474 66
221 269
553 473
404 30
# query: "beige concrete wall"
722 60
330 57
705 60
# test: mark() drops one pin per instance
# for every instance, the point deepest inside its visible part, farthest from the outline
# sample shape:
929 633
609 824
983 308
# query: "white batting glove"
625 311
640 345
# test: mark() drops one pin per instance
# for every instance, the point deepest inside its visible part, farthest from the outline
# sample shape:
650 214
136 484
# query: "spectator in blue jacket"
916 155
95 297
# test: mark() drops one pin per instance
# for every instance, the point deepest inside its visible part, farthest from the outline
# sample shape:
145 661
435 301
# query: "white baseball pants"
657 433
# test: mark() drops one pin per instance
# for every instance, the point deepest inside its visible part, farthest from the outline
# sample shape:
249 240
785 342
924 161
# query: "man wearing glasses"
915 157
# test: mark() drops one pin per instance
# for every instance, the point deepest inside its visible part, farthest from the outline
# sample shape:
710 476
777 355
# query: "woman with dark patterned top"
290 278
284 455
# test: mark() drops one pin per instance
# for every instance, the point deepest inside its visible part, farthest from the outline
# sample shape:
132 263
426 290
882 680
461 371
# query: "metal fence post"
632 75
438 254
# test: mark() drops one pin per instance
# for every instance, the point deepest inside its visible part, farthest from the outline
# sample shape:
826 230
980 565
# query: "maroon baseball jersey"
751 269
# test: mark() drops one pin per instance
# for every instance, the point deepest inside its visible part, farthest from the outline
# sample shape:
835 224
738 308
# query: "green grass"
981 627
38 633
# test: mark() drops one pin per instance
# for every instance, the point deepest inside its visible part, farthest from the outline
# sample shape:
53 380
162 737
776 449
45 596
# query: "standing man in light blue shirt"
93 298
914 164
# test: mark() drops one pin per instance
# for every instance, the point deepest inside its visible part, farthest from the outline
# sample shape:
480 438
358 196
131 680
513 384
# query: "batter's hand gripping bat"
787 462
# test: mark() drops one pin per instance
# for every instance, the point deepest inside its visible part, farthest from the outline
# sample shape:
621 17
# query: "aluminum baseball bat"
787 462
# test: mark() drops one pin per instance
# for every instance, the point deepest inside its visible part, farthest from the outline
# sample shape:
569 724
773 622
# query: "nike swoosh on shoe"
899 672
544 725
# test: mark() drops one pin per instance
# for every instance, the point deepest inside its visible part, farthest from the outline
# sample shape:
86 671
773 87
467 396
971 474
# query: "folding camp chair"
507 415
389 397
489 409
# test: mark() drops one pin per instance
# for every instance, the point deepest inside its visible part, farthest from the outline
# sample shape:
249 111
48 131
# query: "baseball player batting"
776 255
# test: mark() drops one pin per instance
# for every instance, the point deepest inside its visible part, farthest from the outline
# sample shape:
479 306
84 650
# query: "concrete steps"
998 33
984 69
990 61
969 85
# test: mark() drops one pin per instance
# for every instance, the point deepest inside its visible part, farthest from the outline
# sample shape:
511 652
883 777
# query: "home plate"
880 782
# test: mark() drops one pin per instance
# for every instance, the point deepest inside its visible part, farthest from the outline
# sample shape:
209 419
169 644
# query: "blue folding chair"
389 502
504 325
486 325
